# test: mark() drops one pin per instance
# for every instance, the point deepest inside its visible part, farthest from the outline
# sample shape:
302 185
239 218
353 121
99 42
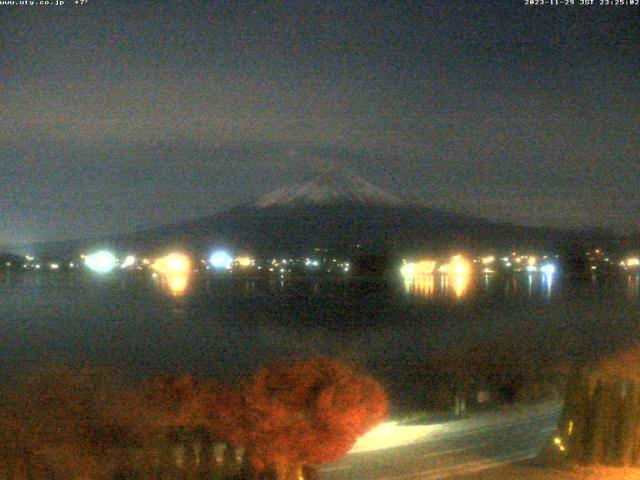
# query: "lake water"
226 327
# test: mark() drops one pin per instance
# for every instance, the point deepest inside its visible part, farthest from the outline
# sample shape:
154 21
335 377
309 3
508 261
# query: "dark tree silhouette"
600 422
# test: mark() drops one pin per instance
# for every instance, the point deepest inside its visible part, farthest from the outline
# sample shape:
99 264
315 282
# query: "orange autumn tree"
308 413
221 410
70 423
185 401
171 399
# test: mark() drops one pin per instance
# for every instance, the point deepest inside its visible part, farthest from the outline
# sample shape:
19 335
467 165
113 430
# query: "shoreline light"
129 261
488 259
102 261
244 261
632 262
175 269
220 260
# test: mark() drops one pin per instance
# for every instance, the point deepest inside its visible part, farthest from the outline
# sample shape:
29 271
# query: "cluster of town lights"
455 272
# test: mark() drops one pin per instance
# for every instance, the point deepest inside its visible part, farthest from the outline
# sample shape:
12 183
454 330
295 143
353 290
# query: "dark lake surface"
226 327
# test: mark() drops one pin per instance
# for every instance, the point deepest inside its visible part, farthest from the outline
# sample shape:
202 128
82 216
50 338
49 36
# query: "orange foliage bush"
73 424
71 421
309 412
170 400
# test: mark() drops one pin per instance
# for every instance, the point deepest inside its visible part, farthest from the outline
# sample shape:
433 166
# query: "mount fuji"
338 209
328 188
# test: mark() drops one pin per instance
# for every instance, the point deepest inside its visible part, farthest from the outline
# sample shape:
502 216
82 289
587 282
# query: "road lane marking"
467 468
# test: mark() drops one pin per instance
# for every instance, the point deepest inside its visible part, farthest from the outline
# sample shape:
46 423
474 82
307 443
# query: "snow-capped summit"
334 186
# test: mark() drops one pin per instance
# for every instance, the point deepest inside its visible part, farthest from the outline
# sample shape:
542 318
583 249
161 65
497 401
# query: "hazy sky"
121 115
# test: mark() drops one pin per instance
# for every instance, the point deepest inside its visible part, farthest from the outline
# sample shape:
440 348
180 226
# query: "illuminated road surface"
449 450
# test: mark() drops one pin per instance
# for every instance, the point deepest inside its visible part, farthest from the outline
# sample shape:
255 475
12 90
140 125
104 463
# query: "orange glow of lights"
424 285
488 260
177 284
633 262
460 285
173 263
459 269
459 265
244 261
176 269
424 267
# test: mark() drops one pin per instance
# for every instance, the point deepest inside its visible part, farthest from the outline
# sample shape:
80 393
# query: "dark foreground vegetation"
63 424
600 423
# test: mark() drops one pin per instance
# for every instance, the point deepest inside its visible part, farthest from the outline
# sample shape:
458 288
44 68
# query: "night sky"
117 116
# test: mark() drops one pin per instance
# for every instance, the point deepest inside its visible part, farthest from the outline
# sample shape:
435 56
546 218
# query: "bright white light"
408 270
311 263
128 262
548 269
101 262
54 266
531 268
220 260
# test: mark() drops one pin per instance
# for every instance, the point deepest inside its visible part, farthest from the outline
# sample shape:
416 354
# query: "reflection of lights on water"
424 285
418 277
461 283
548 269
175 269
100 262
633 283
177 283
459 270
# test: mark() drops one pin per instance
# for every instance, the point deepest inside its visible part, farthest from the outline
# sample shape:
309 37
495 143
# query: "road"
447 450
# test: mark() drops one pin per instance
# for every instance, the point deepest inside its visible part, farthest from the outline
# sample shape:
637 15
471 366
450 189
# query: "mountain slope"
337 210
329 187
